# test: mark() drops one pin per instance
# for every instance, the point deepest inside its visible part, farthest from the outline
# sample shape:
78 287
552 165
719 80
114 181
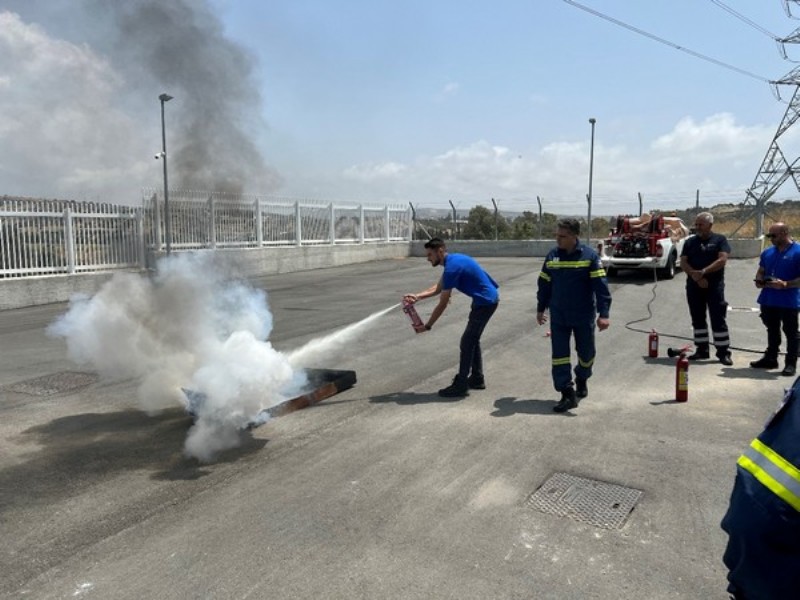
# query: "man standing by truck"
572 284
703 260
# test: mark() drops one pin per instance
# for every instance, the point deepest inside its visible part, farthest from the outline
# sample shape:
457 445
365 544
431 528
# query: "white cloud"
712 154
61 133
375 171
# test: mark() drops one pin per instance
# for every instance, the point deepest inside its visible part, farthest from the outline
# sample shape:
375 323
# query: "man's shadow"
409 398
505 407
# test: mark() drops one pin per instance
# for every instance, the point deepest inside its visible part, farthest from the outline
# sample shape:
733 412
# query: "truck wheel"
611 272
668 272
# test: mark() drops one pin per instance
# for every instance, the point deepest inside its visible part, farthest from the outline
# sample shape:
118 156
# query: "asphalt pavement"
386 490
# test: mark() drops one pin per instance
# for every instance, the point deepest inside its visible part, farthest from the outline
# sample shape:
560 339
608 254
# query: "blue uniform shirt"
572 285
763 519
463 273
781 265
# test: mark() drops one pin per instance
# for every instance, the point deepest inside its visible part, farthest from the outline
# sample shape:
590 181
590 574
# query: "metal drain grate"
54 383
598 503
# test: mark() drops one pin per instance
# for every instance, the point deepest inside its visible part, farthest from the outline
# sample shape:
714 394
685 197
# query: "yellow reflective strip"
598 273
585 364
560 361
769 482
568 264
780 462
544 276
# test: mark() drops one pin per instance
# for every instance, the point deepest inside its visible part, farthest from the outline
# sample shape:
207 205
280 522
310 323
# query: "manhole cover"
598 503
54 383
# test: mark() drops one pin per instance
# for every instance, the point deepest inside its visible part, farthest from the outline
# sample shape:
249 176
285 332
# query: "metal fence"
219 220
47 237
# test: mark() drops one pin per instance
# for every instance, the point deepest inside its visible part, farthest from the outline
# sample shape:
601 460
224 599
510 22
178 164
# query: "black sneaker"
788 371
700 355
725 359
568 401
457 389
581 389
765 363
476 383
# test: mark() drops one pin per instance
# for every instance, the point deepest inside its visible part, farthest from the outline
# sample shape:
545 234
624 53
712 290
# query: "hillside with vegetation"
481 223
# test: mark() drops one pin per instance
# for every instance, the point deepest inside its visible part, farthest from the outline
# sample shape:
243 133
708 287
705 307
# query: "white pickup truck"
646 242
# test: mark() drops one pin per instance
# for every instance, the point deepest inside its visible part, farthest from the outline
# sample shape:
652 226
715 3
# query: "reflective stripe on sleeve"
773 471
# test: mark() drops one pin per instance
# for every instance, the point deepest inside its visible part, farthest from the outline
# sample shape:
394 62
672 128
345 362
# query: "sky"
420 101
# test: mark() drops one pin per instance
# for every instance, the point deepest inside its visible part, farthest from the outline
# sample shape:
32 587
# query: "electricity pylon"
775 168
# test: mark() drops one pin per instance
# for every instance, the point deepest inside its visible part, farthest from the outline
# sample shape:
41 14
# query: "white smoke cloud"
188 328
195 338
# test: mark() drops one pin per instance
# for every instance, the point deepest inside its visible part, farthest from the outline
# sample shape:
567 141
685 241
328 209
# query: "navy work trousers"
471 359
711 299
560 335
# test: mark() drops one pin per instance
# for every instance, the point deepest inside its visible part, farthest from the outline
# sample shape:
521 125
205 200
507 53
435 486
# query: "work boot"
700 354
567 402
725 358
476 382
788 371
765 363
581 388
457 389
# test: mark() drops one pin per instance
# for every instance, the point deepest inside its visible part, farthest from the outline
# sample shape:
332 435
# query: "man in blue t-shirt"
463 273
778 277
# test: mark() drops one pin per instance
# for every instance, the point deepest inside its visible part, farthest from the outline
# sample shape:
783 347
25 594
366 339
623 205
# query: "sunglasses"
770 235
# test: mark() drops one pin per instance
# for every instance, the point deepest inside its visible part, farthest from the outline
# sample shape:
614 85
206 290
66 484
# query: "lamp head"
165 97
592 120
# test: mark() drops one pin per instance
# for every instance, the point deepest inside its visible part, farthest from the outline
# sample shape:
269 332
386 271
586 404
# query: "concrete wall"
254 262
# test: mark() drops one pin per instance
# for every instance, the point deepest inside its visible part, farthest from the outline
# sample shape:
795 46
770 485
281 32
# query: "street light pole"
591 168
167 225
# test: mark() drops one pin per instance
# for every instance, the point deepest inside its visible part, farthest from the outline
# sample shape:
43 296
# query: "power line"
641 32
741 17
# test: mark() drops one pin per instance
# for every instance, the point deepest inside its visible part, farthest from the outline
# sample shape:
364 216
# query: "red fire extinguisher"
416 320
652 344
682 378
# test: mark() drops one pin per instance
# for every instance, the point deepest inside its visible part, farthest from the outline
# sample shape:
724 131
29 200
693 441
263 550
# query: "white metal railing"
50 237
219 220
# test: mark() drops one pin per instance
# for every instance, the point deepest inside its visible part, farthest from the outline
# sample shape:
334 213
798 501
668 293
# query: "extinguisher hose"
649 316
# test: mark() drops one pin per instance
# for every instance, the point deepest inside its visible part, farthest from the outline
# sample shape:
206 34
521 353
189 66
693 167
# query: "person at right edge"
763 517
777 277
573 285
703 260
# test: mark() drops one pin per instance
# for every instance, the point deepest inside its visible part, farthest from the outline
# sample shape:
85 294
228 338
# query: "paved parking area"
386 490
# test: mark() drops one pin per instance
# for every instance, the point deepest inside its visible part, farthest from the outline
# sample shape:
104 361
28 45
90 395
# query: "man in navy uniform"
573 285
763 519
703 260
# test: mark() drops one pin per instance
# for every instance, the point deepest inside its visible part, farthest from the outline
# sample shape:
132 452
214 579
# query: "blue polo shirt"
781 265
463 273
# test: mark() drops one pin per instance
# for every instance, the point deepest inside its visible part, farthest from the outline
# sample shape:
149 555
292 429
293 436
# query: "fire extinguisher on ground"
652 344
682 378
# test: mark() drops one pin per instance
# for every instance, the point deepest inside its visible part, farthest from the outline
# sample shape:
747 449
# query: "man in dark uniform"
763 519
573 285
463 273
703 260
